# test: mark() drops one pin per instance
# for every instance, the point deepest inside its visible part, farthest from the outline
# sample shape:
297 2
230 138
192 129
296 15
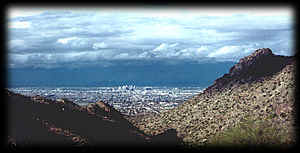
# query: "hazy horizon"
156 44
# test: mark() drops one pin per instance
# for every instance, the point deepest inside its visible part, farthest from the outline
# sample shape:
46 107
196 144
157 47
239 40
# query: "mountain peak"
261 63
248 61
262 52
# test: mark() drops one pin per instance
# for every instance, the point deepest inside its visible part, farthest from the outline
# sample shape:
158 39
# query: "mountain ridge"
266 96
38 122
261 63
118 75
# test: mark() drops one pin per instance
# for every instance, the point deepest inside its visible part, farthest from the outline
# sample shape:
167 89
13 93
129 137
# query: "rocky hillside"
38 122
259 88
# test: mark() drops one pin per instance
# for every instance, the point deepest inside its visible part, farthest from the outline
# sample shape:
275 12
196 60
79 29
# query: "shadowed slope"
38 122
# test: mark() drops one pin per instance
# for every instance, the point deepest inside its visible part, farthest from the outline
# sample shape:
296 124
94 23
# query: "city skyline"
129 100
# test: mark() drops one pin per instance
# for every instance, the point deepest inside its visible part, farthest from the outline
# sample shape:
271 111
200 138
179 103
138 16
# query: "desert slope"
36 122
259 88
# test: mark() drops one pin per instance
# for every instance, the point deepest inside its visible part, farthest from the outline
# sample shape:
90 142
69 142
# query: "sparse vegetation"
260 112
251 132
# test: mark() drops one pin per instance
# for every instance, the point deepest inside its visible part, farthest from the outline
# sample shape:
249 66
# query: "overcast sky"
50 37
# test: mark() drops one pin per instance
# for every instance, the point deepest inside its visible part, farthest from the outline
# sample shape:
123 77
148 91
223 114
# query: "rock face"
252 60
261 63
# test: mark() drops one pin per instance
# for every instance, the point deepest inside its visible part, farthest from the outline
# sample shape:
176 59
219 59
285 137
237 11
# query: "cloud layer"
54 37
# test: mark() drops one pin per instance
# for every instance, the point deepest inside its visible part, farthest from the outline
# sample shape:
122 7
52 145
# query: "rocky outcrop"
261 63
251 61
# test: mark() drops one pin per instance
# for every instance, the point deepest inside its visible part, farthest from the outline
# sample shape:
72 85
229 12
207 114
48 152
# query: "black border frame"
134 4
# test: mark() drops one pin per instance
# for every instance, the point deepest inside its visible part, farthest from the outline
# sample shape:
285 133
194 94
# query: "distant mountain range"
138 73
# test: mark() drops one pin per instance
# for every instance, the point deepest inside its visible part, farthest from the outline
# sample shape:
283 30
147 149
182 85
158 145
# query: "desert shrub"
250 132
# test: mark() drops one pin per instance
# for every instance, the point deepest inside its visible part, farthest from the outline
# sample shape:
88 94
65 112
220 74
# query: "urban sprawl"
129 100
